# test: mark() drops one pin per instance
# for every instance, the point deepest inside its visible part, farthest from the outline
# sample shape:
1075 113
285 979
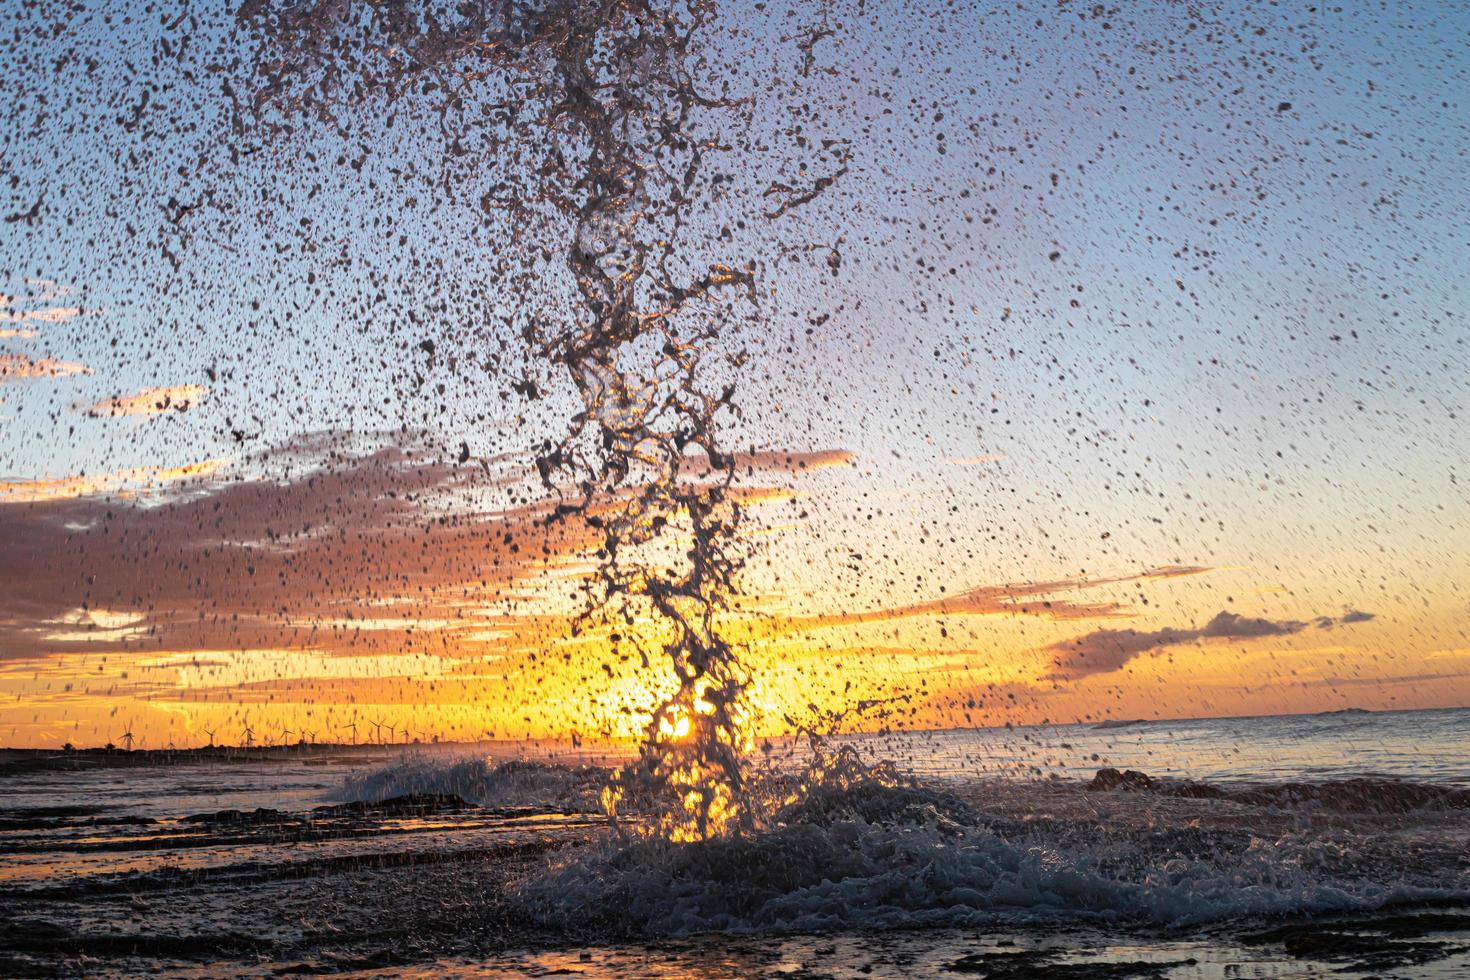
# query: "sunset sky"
1140 391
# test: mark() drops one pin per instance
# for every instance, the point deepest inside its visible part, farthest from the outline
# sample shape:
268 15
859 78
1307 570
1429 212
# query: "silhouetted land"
14 761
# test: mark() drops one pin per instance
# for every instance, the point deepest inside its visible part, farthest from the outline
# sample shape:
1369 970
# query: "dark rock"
1108 780
409 804
258 815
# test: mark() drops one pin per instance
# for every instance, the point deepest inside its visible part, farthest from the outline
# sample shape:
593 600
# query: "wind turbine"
249 735
353 729
127 738
378 731
210 733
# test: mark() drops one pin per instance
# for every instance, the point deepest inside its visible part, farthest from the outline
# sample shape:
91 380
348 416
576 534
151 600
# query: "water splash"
589 116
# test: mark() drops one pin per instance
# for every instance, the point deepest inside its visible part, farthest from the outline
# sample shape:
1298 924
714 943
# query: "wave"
480 780
862 848
1357 795
873 856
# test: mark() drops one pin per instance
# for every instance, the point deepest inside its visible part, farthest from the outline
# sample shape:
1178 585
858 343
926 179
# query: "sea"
1297 846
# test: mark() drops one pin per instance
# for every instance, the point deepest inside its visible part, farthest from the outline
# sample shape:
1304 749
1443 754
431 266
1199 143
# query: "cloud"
126 483
1384 681
54 314
1023 598
1229 625
975 460
1103 651
794 462
1347 619
1173 571
776 461
149 401
46 293
16 367
340 542
252 562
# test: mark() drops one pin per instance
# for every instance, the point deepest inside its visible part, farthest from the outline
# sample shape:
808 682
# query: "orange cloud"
150 401
1022 599
368 553
54 314
40 292
350 549
1173 571
974 460
776 461
15 367
793 462
131 482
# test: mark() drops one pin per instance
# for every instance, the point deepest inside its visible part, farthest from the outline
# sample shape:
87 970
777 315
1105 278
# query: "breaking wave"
872 855
1355 795
480 780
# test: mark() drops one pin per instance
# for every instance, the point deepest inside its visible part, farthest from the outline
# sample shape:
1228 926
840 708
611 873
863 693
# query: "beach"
448 861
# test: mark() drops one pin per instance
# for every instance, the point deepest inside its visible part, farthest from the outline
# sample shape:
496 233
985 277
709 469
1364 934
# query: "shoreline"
629 746
434 888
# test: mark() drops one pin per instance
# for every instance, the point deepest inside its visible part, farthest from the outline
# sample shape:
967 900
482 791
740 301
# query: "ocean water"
1295 846
1415 746
1429 746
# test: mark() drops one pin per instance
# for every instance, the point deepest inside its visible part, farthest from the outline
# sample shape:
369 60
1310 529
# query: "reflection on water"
1014 877
930 954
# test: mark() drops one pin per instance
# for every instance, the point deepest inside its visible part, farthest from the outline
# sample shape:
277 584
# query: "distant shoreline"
115 756
14 761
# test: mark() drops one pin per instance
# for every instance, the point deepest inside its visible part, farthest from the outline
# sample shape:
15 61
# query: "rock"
1110 779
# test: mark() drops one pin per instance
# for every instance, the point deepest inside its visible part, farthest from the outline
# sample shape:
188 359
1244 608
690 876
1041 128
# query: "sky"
1138 388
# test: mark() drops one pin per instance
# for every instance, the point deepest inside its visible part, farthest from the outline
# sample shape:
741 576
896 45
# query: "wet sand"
425 885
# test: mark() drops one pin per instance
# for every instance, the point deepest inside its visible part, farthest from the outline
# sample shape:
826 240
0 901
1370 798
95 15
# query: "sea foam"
881 857
480 780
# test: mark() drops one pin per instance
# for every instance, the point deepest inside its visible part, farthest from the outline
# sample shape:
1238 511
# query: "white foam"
480 780
923 868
